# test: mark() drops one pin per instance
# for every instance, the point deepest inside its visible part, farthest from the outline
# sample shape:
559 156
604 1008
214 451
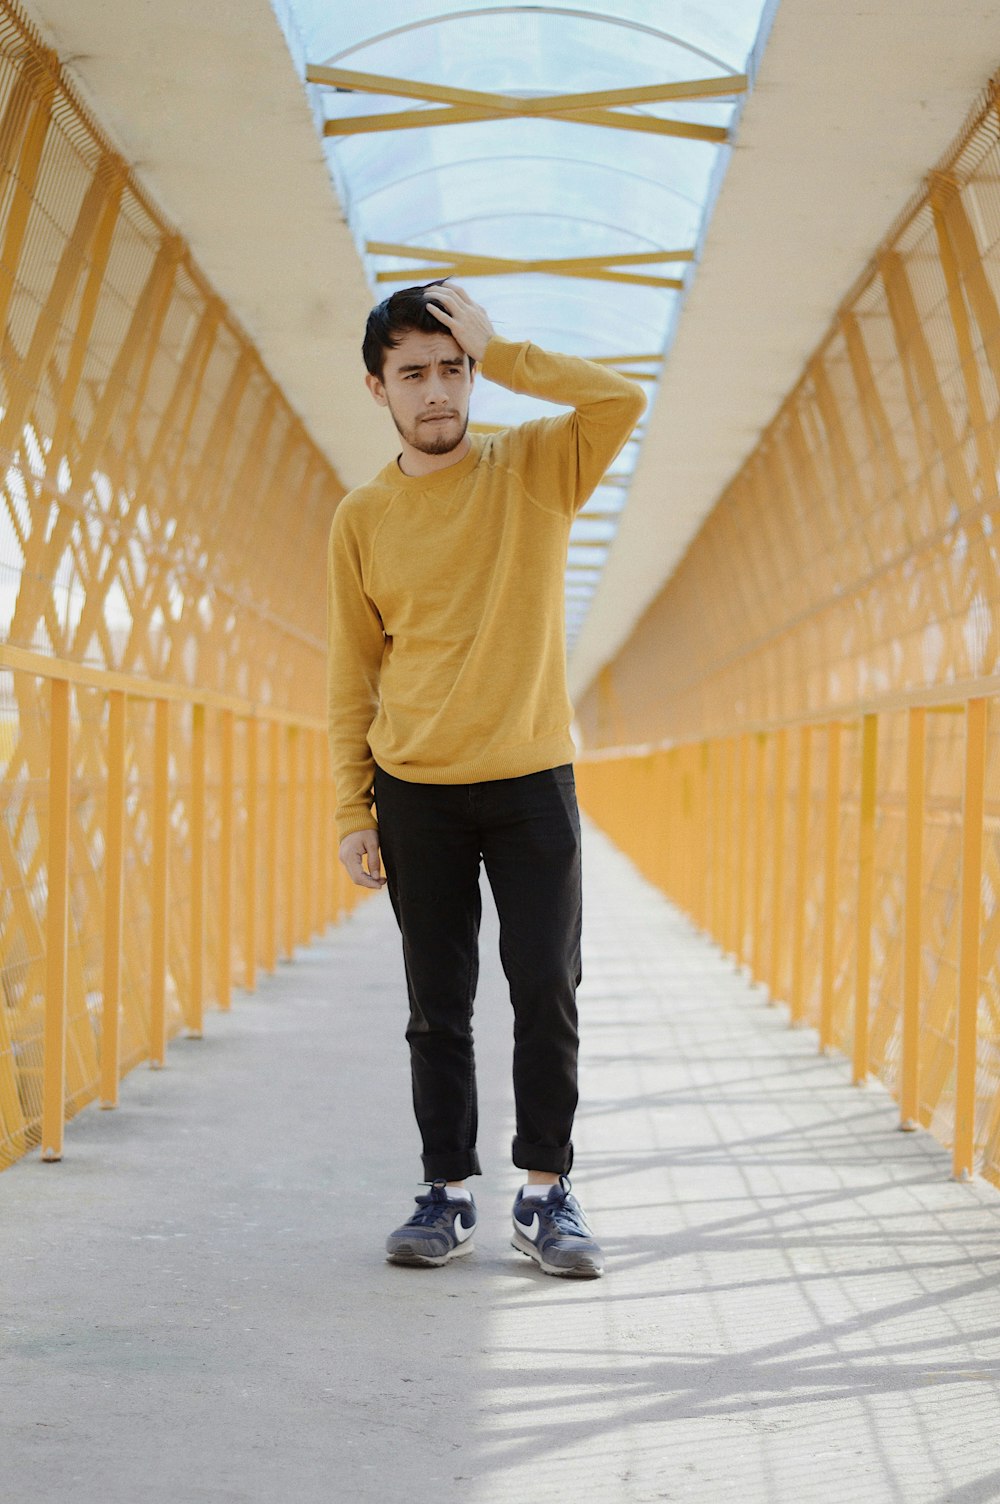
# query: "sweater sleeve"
566 456
355 643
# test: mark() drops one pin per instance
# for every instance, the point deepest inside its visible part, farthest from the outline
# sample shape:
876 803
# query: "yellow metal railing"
832 860
163 523
823 667
116 966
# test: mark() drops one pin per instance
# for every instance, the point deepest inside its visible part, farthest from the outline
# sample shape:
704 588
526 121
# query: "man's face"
425 384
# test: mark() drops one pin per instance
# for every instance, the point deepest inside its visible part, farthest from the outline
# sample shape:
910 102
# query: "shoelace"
567 1219
428 1210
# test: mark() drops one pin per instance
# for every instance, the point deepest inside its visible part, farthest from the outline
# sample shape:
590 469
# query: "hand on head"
466 321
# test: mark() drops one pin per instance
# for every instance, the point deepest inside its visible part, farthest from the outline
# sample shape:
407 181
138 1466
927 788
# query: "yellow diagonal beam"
458 263
467 106
408 120
630 258
347 80
408 273
403 120
652 125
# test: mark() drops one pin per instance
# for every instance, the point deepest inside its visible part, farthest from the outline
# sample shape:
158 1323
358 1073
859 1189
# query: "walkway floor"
800 1304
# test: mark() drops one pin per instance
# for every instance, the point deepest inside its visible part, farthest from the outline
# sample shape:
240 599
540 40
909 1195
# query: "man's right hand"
353 848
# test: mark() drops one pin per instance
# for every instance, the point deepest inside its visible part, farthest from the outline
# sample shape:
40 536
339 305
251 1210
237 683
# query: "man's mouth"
440 417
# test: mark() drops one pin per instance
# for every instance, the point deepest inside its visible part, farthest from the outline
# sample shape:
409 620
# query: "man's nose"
435 390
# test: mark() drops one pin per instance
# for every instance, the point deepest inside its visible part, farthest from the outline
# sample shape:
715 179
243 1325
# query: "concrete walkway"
800 1304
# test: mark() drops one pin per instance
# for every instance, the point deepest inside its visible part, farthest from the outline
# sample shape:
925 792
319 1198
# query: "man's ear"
376 388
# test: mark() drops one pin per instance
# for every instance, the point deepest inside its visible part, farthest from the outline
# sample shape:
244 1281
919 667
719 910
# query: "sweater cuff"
354 818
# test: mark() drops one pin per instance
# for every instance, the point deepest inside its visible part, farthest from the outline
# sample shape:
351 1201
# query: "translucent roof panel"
530 188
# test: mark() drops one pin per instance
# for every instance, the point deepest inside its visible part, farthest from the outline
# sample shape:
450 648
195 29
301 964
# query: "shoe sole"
588 1270
408 1254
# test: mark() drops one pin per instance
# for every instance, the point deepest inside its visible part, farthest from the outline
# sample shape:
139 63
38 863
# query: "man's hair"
397 315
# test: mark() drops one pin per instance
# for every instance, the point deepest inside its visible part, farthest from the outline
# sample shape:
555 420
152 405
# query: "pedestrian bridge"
782 617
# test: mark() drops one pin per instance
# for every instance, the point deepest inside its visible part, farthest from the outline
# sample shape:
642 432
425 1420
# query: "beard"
439 437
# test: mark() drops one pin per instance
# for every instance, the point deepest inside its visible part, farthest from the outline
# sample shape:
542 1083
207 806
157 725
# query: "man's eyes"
448 371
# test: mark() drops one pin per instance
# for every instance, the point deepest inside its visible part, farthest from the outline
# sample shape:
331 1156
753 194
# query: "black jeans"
527 831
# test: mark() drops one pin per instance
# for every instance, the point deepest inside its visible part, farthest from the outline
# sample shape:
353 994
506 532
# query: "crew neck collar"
437 479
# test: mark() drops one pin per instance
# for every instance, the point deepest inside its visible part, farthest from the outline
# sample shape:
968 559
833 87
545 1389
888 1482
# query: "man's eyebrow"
450 360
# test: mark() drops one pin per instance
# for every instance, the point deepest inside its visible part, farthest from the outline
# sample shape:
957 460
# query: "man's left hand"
468 323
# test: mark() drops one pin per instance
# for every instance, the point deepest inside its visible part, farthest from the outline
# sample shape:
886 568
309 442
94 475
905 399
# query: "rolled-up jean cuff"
542 1157
451 1166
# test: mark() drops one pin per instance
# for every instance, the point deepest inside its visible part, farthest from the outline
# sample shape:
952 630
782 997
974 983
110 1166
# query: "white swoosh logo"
461 1231
530 1230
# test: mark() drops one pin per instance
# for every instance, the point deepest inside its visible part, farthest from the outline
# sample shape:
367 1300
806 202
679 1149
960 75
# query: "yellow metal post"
866 889
196 1000
723 820
687 829
707 839
702 835
743 816
778 918
831 857
733 840
307 924
968 964
673 808
114 847
337 907
291 831
225 925
56 925
160 877
273 795
916 757
757 893
696 832
803 801
323 915
251 864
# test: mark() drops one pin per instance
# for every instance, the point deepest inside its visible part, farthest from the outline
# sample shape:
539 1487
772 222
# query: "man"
448 707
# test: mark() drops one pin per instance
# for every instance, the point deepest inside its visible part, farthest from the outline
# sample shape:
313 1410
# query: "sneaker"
554 1232
440 1229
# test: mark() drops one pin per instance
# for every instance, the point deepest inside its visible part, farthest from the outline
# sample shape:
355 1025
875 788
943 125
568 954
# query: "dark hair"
398 315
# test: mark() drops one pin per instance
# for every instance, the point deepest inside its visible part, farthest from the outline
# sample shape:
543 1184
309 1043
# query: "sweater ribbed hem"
509 762
506 762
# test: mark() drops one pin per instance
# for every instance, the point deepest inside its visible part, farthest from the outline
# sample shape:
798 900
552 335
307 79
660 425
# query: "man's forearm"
566 379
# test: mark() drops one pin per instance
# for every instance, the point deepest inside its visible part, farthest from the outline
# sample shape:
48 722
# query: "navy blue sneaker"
440 1229
555 1233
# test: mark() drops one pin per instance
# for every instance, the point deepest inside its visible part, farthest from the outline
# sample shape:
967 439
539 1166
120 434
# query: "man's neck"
415 462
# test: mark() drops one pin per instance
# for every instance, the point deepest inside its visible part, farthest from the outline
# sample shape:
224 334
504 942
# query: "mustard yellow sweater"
447 660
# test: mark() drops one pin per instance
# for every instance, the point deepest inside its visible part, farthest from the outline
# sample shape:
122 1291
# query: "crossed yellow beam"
458 264
466 106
